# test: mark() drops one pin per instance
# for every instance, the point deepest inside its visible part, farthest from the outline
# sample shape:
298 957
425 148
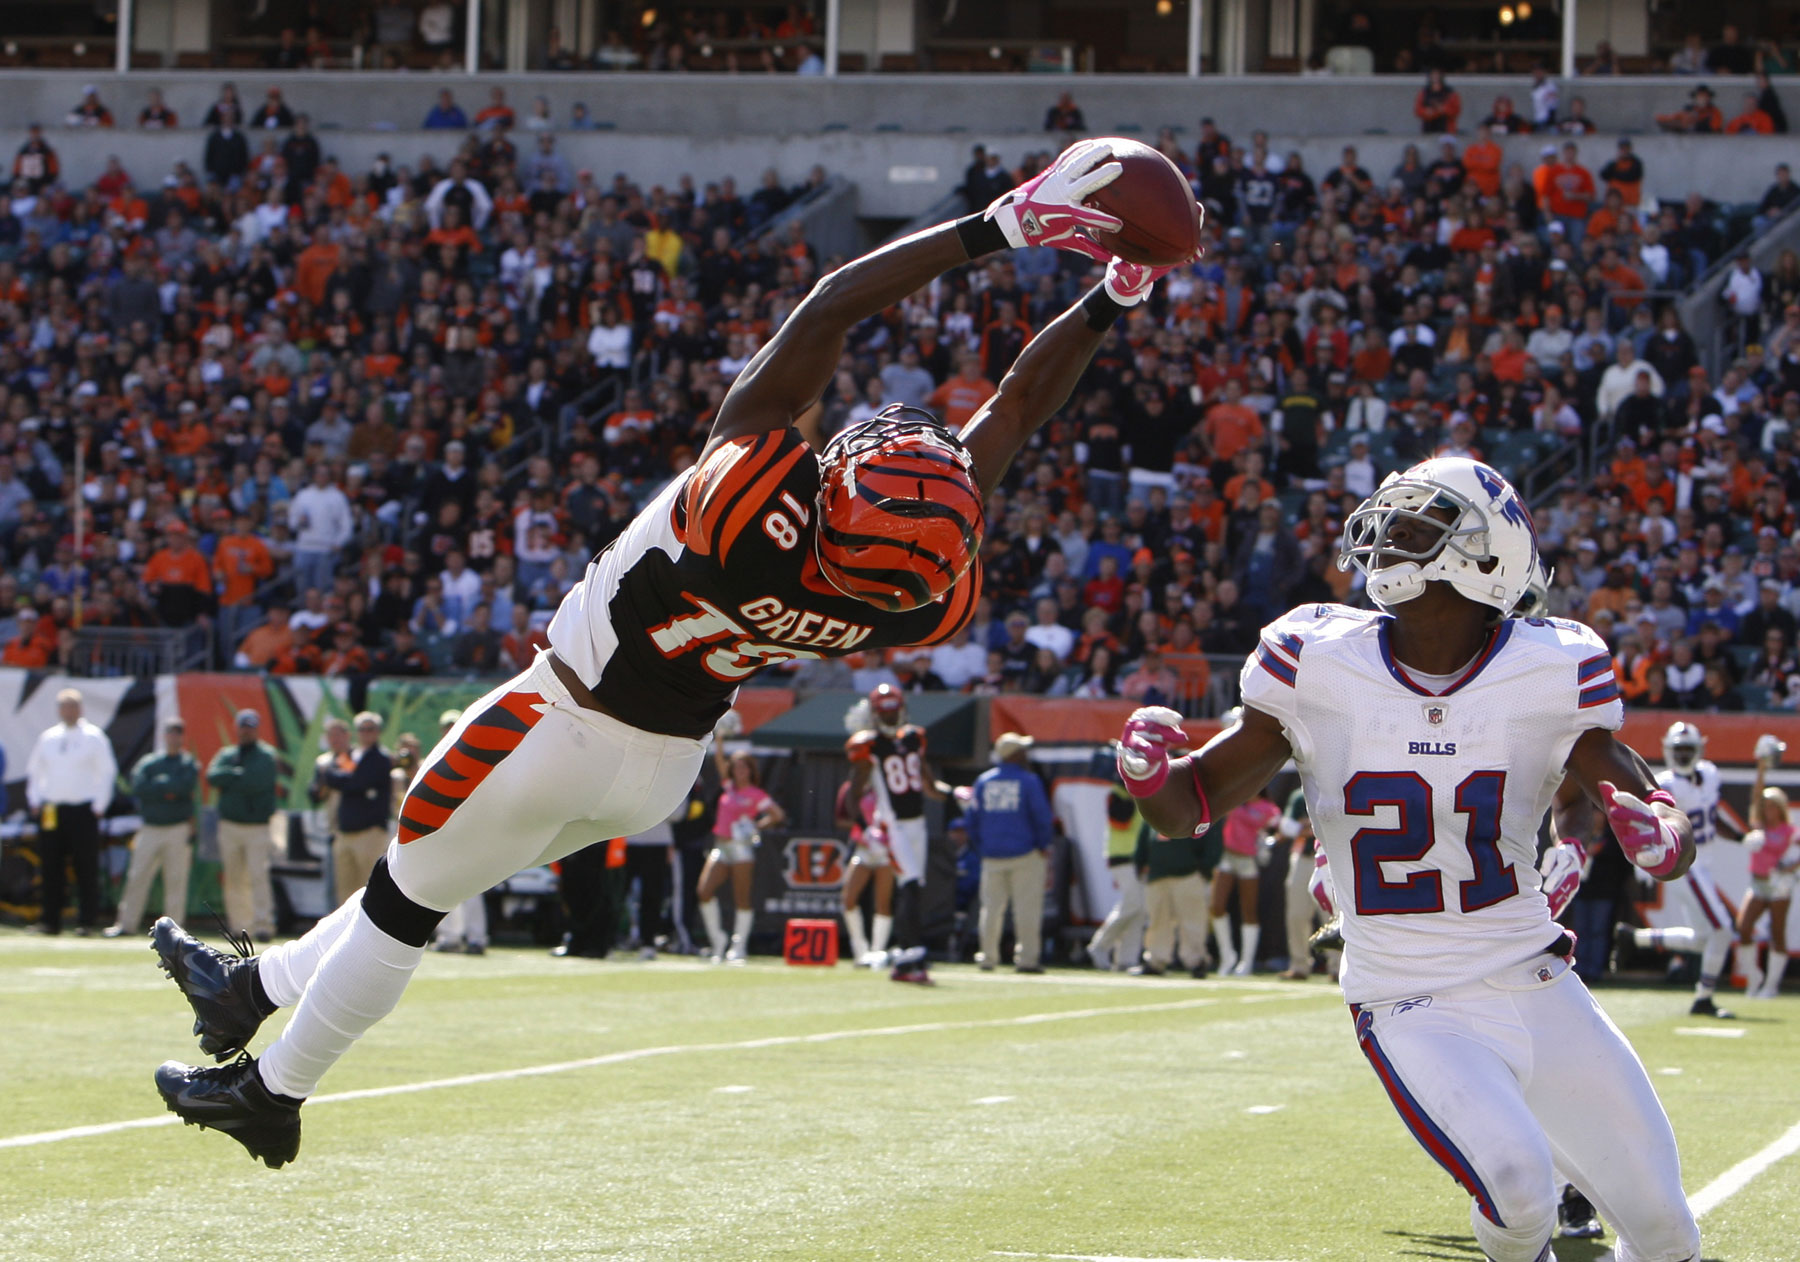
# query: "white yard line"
1737 1178
644 1053
1100 1257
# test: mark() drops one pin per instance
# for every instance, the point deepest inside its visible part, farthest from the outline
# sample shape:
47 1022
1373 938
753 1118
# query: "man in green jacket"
244 776
1176 873
164 784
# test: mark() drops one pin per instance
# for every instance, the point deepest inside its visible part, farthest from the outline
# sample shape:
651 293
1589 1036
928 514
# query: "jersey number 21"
1479 797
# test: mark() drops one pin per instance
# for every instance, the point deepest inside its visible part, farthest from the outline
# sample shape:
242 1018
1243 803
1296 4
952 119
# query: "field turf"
685 1111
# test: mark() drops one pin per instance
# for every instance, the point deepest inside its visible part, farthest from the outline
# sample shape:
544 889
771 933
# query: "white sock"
1222 939
740 929
1778 962
1751 970
859 940
1712 960
1247 962
884 929
357 983
1679 938
285 969
715 928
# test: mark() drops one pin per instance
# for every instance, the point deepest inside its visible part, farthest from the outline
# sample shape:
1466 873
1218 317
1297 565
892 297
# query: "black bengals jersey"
714 581
897 767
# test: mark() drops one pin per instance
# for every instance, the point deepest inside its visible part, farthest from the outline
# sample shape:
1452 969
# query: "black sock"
265 1006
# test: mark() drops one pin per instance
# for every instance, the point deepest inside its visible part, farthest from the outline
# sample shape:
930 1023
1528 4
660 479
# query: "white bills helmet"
1683 747
1487 549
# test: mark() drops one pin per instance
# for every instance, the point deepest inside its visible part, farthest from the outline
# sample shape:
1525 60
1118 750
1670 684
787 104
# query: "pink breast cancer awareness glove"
1144 748
1319 886
1561 869
1047 209
1129 283
1649 840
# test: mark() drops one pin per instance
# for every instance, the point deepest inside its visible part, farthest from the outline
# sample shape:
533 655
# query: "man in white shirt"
1550 343
68 786
462 587
321 521
1049 633
1743 295
1620 379
959 662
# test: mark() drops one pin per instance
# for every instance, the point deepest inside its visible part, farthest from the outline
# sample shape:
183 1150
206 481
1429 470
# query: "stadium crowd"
377 421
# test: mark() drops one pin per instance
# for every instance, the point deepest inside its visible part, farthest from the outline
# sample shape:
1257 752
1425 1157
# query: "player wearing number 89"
760 554
1431 736
888 760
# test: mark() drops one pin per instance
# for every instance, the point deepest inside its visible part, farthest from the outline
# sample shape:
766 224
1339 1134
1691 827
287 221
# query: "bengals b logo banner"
814 862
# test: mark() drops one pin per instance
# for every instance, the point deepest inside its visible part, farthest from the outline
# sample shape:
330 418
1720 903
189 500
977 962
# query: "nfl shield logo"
1435 714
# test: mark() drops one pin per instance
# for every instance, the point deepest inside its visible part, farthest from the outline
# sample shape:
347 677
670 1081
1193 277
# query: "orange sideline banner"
756 706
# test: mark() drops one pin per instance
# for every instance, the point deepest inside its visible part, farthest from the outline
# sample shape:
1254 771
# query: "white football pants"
1503 1080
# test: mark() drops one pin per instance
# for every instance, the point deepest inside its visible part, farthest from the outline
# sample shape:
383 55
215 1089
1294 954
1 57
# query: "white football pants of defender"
1506 1081
1122 931
1711 935
524 778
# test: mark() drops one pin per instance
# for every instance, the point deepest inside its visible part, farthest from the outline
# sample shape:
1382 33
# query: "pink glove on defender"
1649 840
1144 748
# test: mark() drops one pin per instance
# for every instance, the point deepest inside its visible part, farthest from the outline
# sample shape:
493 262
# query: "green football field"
516 1106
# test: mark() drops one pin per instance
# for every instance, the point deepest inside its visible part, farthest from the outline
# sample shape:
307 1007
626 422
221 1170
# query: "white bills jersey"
1427 795
1698 795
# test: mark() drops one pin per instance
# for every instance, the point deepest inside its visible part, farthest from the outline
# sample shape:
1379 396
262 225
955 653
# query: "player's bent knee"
1669 1234
392 912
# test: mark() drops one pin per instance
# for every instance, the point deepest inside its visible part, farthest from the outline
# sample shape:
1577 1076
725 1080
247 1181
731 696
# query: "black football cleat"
232 1100
1705 1007
1327 937
220 988
911 965
1575 1217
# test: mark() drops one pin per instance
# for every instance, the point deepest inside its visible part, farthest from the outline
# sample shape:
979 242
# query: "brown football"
1162 219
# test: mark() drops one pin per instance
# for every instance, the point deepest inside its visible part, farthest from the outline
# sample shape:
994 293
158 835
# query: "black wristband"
980 235
1100 309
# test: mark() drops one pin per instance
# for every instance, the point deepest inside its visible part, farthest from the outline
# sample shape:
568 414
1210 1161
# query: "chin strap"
1396 584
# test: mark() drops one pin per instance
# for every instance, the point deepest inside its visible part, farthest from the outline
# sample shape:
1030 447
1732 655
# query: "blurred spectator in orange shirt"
1437 105
241 561
1625 173
1482 161
1699 116
519 646
178 578
1753 119
959 398
1230 426
315 265
26 649
269 647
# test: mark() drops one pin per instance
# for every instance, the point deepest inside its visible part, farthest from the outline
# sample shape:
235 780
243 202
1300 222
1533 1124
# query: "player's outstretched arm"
1654 833
791 371
1177 796
1047 369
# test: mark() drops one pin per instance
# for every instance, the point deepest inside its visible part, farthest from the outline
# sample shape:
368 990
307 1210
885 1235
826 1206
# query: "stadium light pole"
122 37
1193 37
1568 39
834 12
472 39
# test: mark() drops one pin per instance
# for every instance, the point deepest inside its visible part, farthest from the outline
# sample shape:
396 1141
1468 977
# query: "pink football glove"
1649 840
1319 886
1129 283
1047 209
1144 748
1562 867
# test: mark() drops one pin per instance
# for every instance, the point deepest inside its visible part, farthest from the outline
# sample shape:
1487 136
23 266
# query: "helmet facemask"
1396 575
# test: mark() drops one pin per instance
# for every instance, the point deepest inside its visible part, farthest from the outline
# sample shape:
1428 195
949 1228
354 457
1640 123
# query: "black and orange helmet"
899 515
887 706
